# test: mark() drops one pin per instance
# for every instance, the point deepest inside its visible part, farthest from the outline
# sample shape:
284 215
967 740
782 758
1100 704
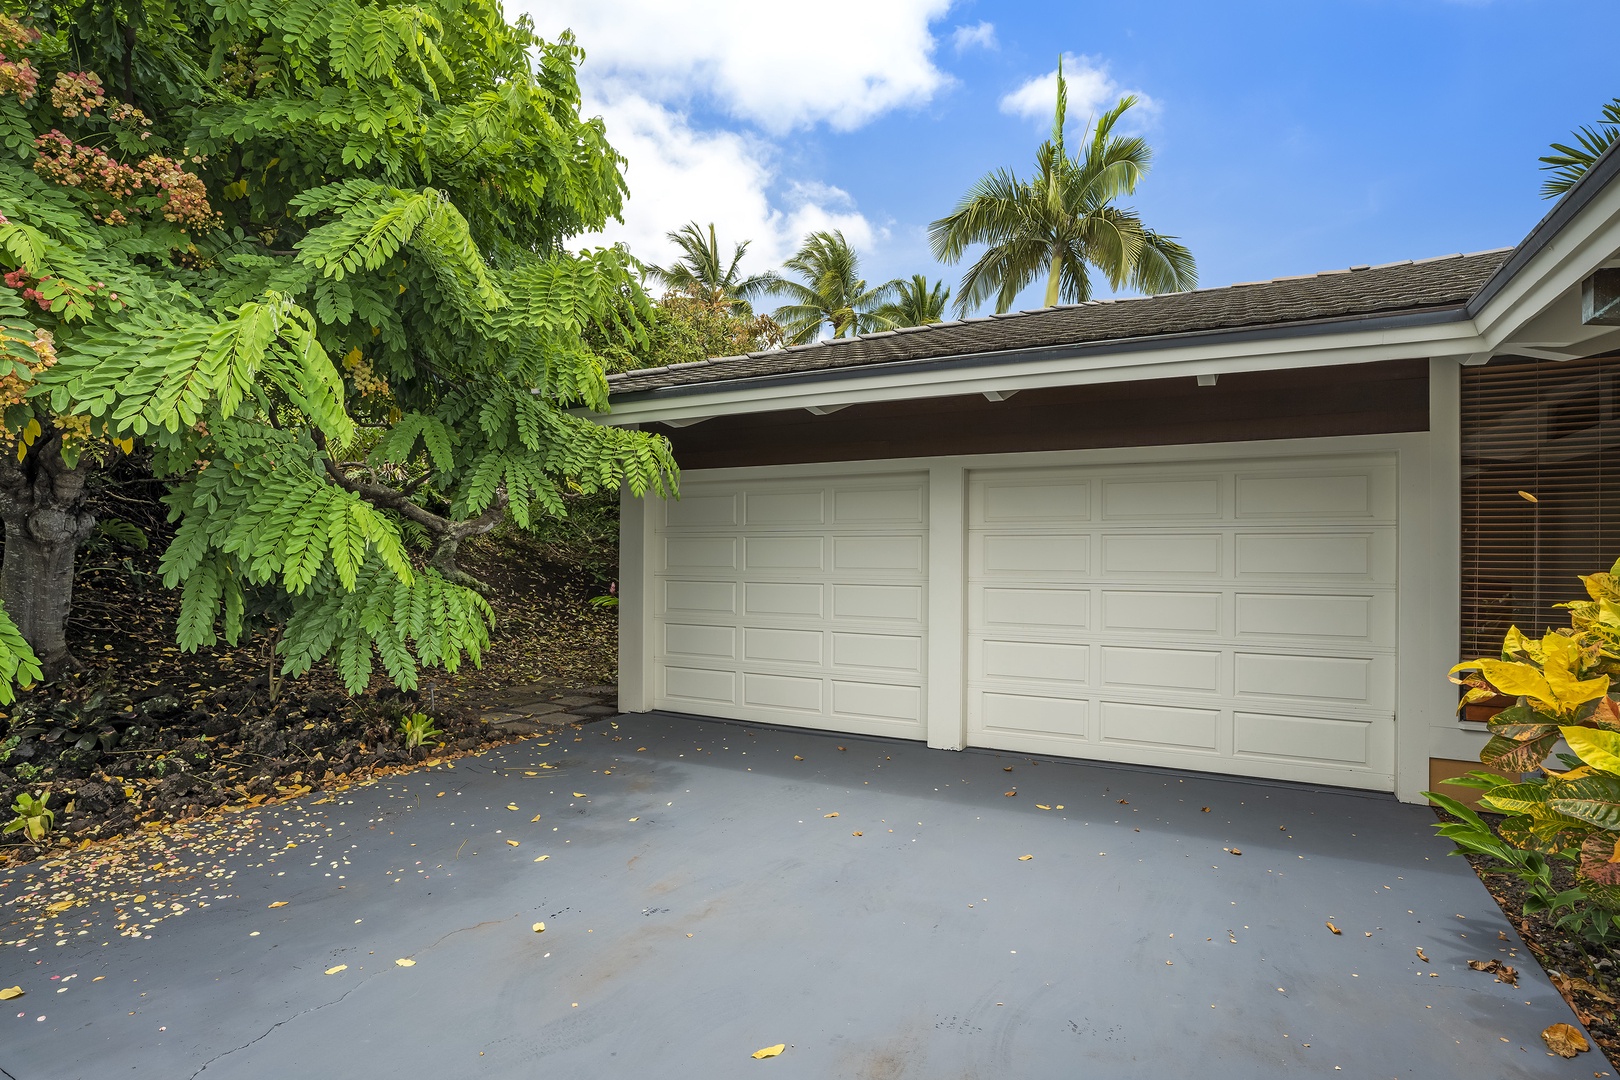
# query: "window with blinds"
1540 492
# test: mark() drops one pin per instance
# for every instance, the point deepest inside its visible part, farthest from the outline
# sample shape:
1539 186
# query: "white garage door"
1234 617
795 602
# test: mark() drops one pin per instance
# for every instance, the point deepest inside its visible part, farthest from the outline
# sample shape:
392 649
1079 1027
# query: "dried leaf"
11 992
1124 802
1565 1040
511 806
335 970
833 814
1025 858
539 927
1006 768
542 858
857 833
771 1051
1421 956
1042 806
1205 810
535 818
140 898
796 757
278 903
512 843
579 795
60 905
404 962
1011 793
1333 928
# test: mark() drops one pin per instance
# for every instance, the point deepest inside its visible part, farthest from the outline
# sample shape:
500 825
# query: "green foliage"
18 664
417 729
118 531
831 292
1561 688
1062 221
356 333
703 275
1569 163
916 303
34 819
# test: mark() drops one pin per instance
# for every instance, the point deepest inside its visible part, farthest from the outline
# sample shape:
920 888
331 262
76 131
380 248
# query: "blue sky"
1291 137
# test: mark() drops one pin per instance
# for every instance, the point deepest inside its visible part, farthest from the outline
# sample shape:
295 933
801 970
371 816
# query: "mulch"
146 735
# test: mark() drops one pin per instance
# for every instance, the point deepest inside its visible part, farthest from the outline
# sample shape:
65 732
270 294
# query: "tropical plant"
34 819
1569 163
682 330
915 303
831 292
1571 815
314 256
704 275
417 729
1063 221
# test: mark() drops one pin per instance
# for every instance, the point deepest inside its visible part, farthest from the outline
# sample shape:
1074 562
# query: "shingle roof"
1359 291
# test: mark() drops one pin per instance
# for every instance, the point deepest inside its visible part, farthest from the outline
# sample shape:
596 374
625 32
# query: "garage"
797 602
1229 616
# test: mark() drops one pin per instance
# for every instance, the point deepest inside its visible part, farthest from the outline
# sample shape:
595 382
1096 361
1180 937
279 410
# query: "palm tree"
701 273
1063 221
915 304
833 293
1569 163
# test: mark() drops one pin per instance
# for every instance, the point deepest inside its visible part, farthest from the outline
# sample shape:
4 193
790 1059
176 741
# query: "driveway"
711 889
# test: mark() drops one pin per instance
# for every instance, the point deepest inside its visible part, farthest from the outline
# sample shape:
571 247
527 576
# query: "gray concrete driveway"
706 893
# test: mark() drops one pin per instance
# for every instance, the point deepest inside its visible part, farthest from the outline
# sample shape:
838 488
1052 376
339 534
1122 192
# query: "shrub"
1571 815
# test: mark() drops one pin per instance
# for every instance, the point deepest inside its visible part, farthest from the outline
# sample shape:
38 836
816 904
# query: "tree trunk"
43 505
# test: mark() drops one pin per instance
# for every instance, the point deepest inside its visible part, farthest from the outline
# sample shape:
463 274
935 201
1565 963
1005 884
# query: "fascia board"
1442 332
1585 241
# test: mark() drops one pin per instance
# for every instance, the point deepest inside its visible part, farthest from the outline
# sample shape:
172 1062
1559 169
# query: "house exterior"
1243 530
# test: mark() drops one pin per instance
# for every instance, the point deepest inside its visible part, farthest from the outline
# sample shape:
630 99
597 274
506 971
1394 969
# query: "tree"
702 274
1062 221
832 292
312 255
1569 163
915 303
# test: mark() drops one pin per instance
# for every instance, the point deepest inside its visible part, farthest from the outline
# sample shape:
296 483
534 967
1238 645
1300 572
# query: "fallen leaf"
1205 810
405 962
440 795
1011 793
841 748
1042 806
539 927
1124 802
513 843
1333 928
857 833
833 814
60 905
141 899
11 992
579 795
535 818
511 806
542 858
278 903
635 819
1060 806
771 1051
1006 768
1503 973
1025 858
1233 850
796 757
1421 956
530 772
1565 1040
335 970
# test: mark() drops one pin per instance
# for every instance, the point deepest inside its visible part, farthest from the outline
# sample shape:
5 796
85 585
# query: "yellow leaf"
513 843
60 905
11 992
530 772
635 819
335 970
1025 858
1571 691
769 1051
31 431
278 903
1333 928
539 927
1599 749
833 814
1042 806
405 962
1565 1040
511 806
140 898
579 795
534 819
857 833
1517 680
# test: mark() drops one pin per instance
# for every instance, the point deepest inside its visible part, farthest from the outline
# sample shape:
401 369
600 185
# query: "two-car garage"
1231 615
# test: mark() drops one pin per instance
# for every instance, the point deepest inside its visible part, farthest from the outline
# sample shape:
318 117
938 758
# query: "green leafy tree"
704 275
313 255
916 303
1569 163
830 293
1062 222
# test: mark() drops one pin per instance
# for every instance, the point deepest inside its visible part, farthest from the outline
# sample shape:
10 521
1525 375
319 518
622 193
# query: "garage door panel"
796 602
1160 725
1161 554
1234 617
1161 499
1060 500
1179 669
1303 738
892 652
1162 612
1028 713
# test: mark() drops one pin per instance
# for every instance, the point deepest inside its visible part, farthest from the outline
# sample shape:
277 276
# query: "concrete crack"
279 1023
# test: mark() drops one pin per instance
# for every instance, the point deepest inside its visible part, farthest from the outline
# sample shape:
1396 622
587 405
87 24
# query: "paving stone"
538 708
597 710
572 701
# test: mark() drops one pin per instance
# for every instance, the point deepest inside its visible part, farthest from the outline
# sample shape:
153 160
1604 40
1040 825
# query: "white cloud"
680 173
1092 90
981 35
771 64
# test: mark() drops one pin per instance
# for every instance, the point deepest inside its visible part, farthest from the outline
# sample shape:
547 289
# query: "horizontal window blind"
1540 492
